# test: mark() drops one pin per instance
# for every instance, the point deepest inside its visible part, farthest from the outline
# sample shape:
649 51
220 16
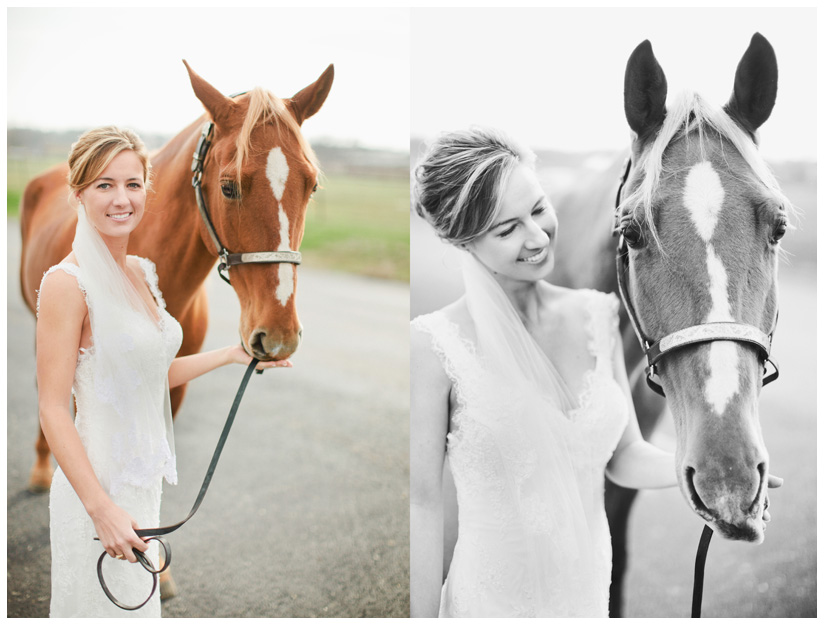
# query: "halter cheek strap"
655 350
228 259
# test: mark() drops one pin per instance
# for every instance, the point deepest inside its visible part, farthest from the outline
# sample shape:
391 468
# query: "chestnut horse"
702 217
258 176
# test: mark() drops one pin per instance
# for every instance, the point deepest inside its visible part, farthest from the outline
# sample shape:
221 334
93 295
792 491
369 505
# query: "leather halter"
655 350
226 258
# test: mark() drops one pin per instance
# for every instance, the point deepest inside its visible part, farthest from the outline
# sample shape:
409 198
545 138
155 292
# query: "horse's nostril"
257 343
701 508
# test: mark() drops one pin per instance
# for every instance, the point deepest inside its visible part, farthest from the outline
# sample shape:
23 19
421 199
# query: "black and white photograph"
612 305
194 195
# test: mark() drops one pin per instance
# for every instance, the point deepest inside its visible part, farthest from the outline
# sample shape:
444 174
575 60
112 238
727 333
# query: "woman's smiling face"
115 200
521 243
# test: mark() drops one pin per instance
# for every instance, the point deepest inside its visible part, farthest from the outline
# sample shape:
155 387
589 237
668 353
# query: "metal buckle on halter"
223 265
200 152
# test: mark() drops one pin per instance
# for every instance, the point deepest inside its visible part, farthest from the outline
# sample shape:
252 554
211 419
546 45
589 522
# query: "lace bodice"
511 557
147 348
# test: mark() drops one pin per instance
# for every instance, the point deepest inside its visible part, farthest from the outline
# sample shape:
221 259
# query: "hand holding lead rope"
147 565
152 534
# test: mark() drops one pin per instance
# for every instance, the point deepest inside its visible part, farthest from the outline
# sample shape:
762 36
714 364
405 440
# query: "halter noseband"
702 333
228 259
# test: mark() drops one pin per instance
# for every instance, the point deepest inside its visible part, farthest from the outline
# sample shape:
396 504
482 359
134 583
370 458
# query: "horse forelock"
265 107
690 116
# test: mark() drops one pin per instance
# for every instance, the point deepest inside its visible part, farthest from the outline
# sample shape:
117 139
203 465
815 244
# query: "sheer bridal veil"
548 495
129 378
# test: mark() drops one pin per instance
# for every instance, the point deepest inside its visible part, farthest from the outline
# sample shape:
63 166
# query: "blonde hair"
459 183
264 107
95 149
690 112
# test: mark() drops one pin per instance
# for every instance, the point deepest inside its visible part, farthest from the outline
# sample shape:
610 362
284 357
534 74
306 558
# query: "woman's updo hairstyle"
460 181
95 149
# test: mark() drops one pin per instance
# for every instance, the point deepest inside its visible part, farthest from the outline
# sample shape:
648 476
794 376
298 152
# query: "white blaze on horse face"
704 197
277 171
286 276
723 382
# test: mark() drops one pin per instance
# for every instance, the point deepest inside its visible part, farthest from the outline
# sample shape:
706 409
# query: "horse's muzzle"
268 345
732 511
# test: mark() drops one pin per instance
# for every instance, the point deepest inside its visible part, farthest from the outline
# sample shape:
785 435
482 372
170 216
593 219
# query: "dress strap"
69 268
456 353
151 274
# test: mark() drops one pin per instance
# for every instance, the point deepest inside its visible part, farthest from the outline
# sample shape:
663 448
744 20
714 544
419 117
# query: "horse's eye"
315 188
633 235
779 230
230 190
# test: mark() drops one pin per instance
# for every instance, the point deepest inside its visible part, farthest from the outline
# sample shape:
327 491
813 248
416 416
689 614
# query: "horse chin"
751 530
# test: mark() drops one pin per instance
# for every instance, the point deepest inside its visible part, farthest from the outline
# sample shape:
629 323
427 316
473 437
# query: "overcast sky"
554 77
77 68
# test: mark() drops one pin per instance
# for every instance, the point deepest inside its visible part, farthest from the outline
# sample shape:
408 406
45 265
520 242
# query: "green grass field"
354 224
360 225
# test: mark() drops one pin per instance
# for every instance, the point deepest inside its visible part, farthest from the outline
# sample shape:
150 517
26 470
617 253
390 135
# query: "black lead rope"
153 534
699 571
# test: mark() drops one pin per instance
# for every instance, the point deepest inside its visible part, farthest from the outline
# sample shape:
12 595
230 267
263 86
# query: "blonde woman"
103 334
521 385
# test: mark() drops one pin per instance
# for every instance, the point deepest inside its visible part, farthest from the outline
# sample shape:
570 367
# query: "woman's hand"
116 531
237 354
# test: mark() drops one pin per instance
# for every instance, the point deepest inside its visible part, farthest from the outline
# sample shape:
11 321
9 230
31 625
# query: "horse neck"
585 254
170 232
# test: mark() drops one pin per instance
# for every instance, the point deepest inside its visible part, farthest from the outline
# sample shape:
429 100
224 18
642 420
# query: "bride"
104 336
521 386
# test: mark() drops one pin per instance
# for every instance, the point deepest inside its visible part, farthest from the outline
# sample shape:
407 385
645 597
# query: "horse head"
702 217
258 176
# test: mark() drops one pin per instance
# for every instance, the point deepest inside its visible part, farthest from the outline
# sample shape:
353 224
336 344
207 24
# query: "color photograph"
203 188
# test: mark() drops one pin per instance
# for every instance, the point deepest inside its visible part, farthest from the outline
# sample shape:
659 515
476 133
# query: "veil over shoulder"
531 539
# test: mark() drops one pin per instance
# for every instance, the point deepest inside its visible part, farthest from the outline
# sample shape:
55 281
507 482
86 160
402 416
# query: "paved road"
308 512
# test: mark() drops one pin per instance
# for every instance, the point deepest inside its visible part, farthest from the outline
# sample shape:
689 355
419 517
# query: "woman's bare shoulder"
61 301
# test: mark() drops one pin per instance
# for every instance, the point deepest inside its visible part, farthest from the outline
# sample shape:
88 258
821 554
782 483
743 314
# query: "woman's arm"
429 417
186 368
636 464
59 326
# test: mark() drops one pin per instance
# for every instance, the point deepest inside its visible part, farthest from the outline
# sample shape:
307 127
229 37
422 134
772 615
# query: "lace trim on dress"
457 355
150 271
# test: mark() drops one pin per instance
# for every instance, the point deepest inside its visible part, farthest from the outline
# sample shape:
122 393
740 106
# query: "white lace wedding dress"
136 487
519 551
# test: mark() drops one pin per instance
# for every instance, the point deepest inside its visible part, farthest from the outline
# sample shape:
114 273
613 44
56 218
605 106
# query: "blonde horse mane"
688 113
264 107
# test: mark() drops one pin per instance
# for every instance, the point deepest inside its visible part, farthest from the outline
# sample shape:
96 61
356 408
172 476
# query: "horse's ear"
645 91
308 101
755 85
217 105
